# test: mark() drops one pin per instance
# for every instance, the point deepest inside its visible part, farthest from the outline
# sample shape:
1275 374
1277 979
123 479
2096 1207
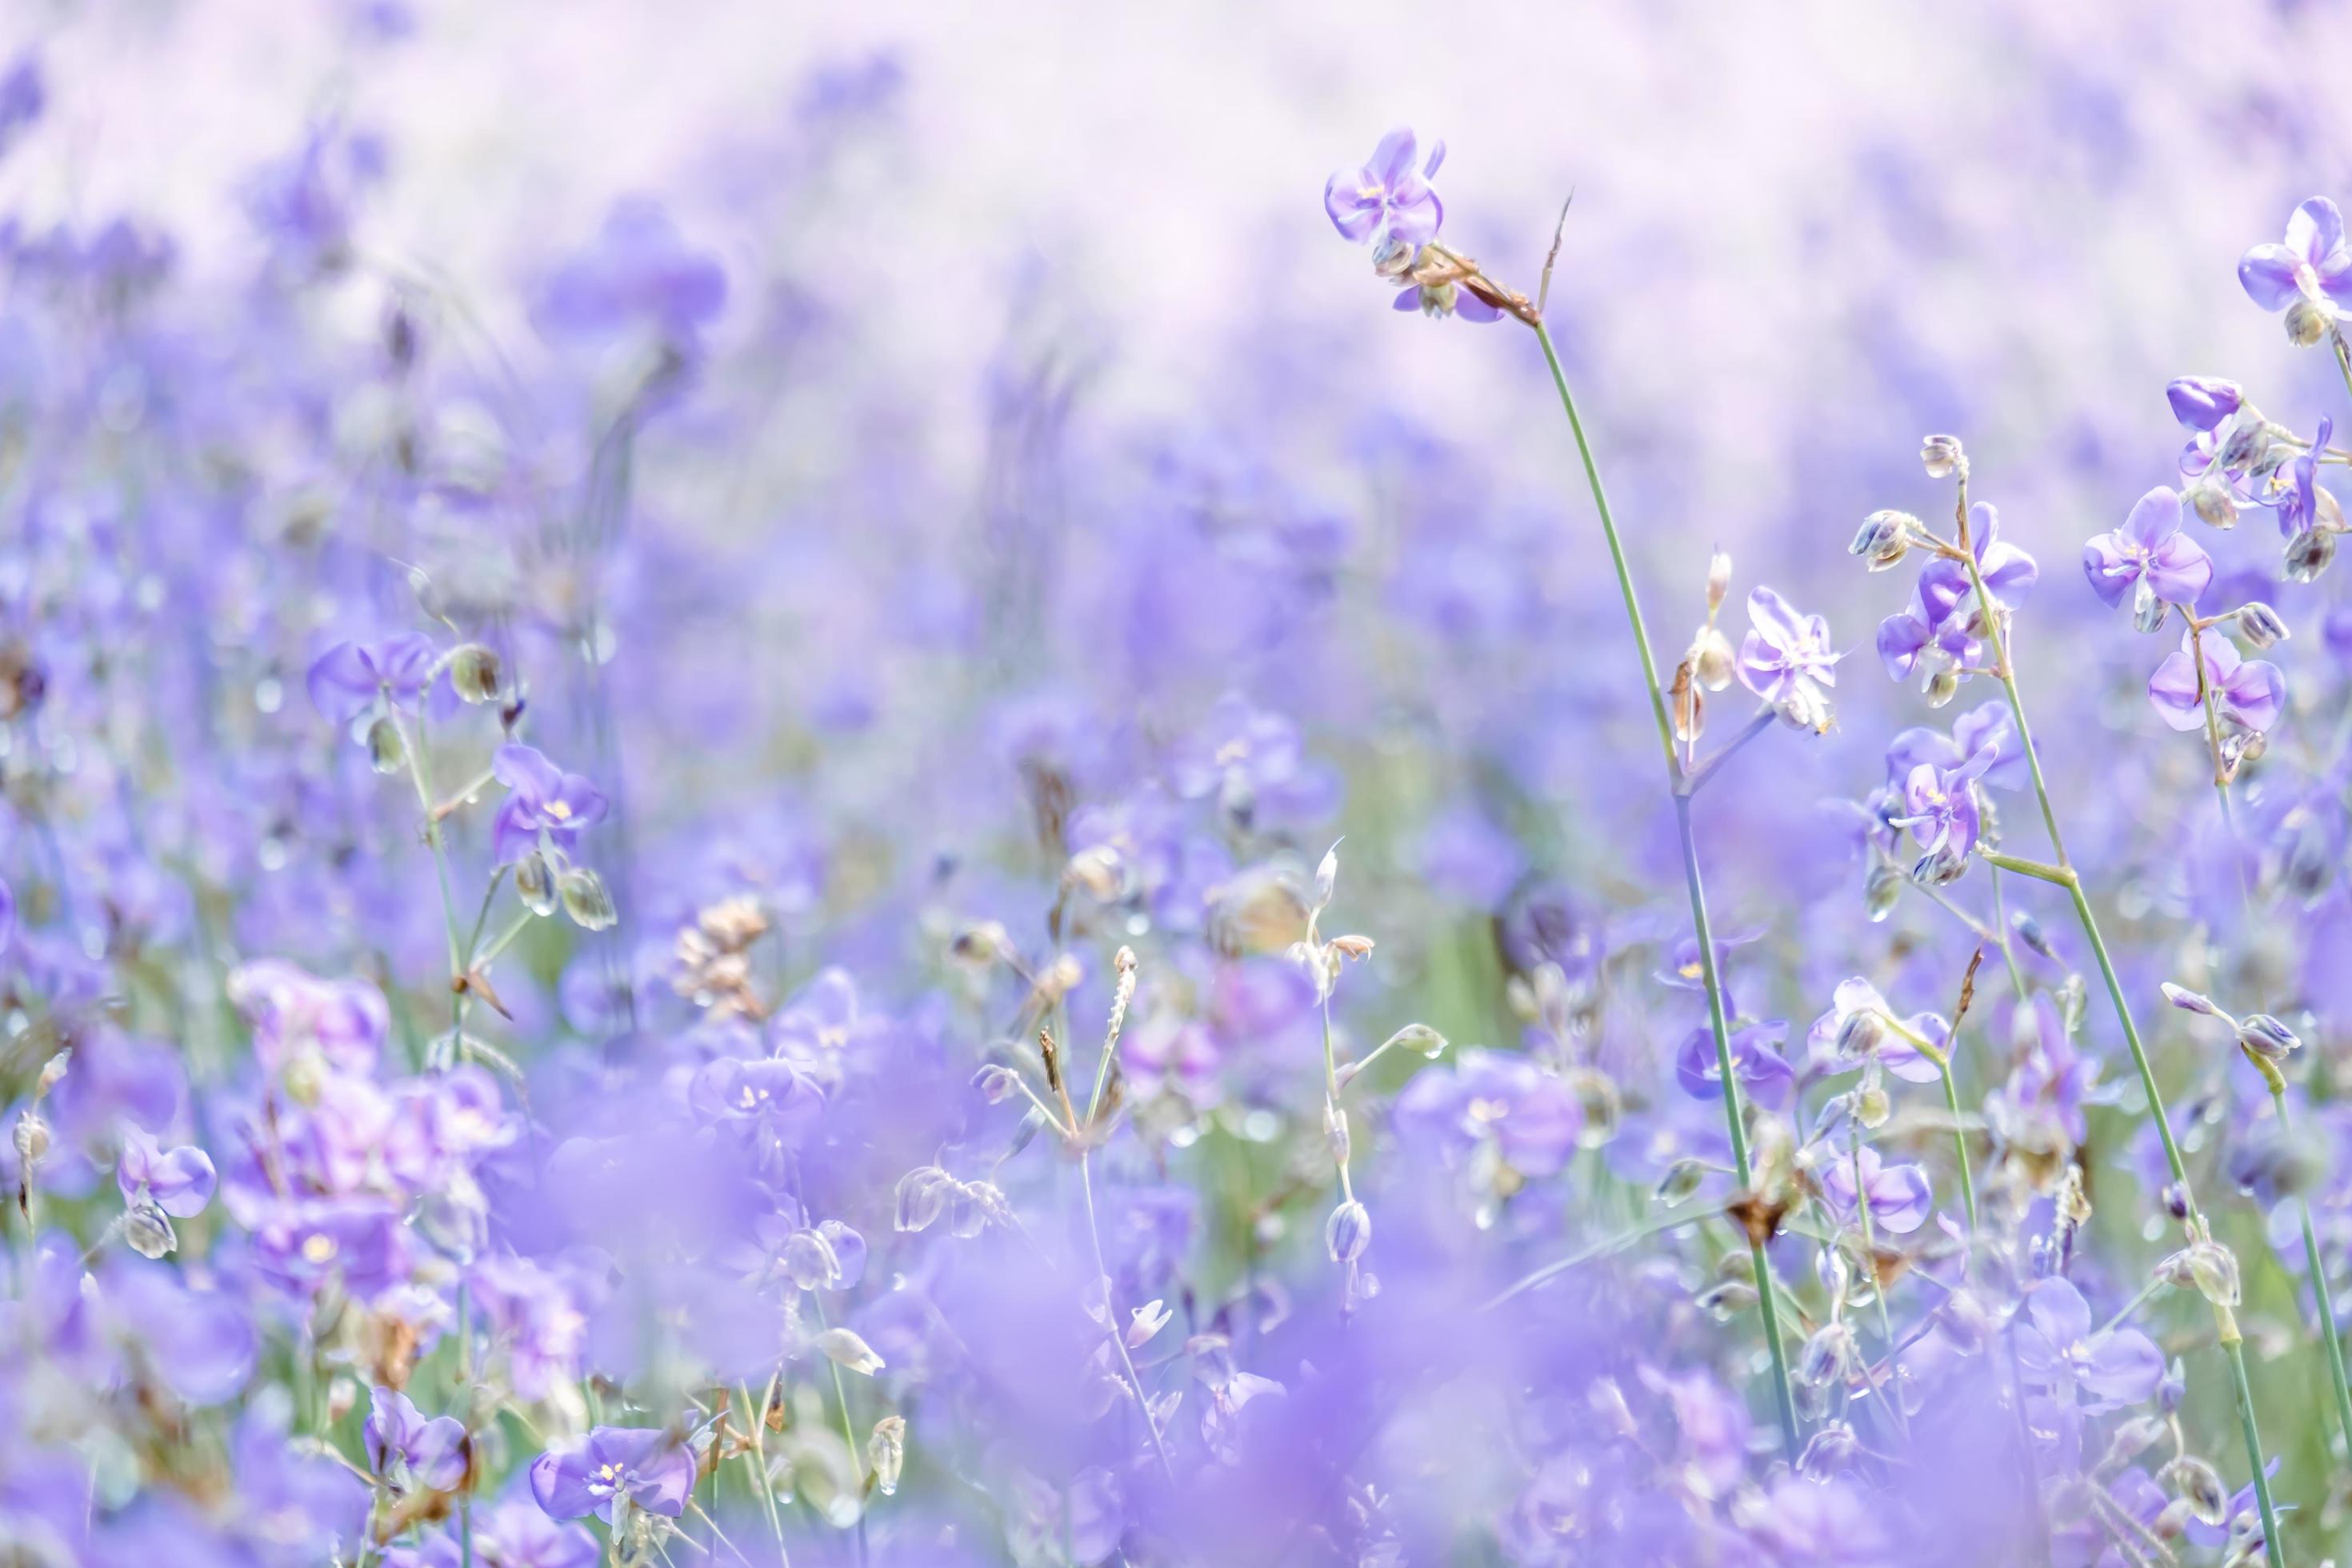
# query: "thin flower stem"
1696 780
1110 1308
2000 920
1734 1114
848 1431
2321 1297
2213 741
1943 1061
1599 1249
2065 875
2147 1294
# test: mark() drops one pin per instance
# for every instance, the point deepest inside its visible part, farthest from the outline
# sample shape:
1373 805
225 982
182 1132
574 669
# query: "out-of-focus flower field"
926 786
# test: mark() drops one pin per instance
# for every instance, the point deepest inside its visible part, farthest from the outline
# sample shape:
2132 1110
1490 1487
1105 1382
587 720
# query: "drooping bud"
2260 1035
32 1140
922 1196
2307 321
1830 1354
1712 659
2198 1485
1942 456
1681 1180
850 1351
1348 1232
885 1453
2262 626
1880 889
2174 1199
997 1082
2213 1269
387 753
1941 866
1941 686
2309 554
534 882
148 1229
2214 503
1394 257
2203 402
2148 612
1886 538
1860 1034
585 900
474 672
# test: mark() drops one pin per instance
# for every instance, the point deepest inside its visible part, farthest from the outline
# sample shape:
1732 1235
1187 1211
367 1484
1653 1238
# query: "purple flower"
349 678
1764 1073
295 1015
1900 1197
2313 263
1941 803
2295 493
2249 691
1785 654
638 272
179 1180
1388 193
1898 1056
2149 546
405 1447
1989 724
2204 403
2007 572
1531 1117
615 1469
2056 1350
1935 630
541 799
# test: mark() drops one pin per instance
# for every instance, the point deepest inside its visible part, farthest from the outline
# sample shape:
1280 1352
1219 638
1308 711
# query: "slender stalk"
1943 1061
1598 1250
848 1431
1734 1113
2321 1297
1878 1289
2063 874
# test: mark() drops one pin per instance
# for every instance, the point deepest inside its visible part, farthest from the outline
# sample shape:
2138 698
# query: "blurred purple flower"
638 272
1764 1074
2251 691
1900 1196
180 1180
2149 545
1989 724
2057 1350
349 677
1388 195
613 1469
2313 263
541 798
404 1446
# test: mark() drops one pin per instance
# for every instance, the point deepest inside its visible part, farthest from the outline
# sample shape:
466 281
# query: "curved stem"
2063 874
1734 1114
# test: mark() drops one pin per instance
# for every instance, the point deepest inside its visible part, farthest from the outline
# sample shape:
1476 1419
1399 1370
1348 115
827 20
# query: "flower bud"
2214 503
2260 1035
148 1229
2030 932
2262 626
2309 554
1872 1106
2248 449
1941 455
32 1140
922 1196
1941 686
1829 1355
1886 538
997 1082
2148 612
2307 321
2198 1485
2213 1269
534 882
2188 1001
1681 1180
1718 582
1862 1032
1831 1450
474 672
387 753
1941 866
1712 660
1880 890
1348 1232
885 1453
2203 402
2174 1199
585 900
848 1351
1394 257
1728 1300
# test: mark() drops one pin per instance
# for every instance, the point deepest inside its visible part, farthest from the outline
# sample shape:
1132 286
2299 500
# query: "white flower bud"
1348 1232
534 882
585 900
1941 456
2148 612
2262 626
1712 660
885 1453
2307 321
148 1229
2309 554
387 753
2214 503
474 672
1718 582
848 1351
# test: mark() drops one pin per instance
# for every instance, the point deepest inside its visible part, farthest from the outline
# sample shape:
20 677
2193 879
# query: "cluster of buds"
1711 663
714 958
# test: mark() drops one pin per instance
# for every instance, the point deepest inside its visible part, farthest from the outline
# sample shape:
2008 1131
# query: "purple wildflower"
1786 658
1388 196
613 1469
541 799
2313 263
2058 1349
351 677
406 1448
1900 1196
2249 692
180 1180
2150 549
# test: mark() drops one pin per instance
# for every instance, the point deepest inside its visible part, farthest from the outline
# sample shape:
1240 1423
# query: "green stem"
1878 1289
1942 1059
1733 1112
2321 1297
1995 617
